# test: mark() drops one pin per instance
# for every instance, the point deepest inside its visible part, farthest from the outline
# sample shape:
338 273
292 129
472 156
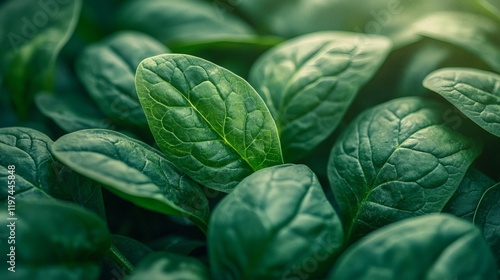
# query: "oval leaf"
170 266
274 224
308 83
133 171
429 247
475 93
107 70
208 121
395 161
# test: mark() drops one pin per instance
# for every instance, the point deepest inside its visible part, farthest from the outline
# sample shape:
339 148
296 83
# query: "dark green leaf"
107 70
308 83
208 121
134 171
276 223
475 93
134 250
158 266
397 160
429 247
54 240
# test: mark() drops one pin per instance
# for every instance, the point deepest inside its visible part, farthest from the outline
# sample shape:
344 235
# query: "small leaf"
208 121
134 171
395 161
308 83
428 247
107 70
275 223
170 266
475 93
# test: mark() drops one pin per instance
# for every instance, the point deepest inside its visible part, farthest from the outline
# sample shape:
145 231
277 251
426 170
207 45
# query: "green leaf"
398 160
487 218
464 202
208 121
170 266
179 21
309 82
134 171
475 33
32 35
429 247
56 240
107 70
28 151
276 223
475 93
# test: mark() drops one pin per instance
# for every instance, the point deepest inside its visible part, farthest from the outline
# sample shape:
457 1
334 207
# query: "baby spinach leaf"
134 171
475 93
28 151
107 70
429 247
475 33
276 223
464 202
55 239
178 21
32 35
208 121
397 160
170 266
308 83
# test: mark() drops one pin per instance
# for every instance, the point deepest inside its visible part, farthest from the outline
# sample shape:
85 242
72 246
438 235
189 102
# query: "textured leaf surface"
475 93
395 161
134 171
429 247
308 83
208 121
107 70
274 221
170 266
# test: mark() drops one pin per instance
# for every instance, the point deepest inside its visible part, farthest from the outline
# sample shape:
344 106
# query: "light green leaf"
309 82
276 223
475 93
398 160
107 70
158 266
429 247
475 33
208 121
33 33
134 171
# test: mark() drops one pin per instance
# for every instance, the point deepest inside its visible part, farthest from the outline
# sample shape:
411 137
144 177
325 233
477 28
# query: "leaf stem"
118 258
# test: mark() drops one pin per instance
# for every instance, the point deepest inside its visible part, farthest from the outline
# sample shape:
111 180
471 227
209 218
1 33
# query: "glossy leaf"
32 35
170 266
309 82
56 240
107 70
134 171
429 247
398 160
208 121
276 223
475 93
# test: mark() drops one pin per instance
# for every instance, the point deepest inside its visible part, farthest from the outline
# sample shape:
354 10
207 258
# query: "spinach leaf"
308 84
29 152
395 161
475 93
32 35
170 266
179 21
107 70
464 202
134 171
276 223
56 240
428 247
475 33
208 121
